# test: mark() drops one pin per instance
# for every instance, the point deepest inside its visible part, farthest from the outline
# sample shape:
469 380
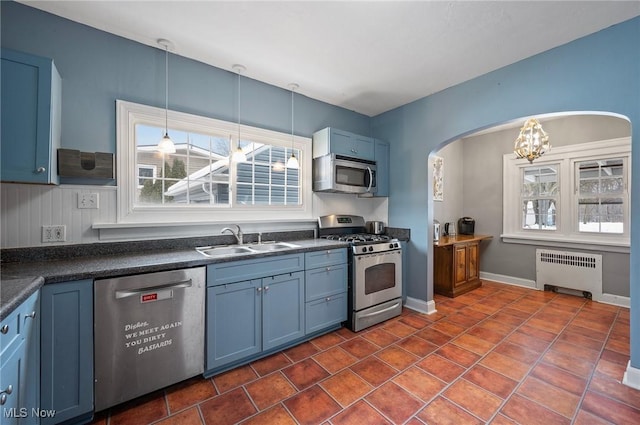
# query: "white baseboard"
612 299
421 306
617 300
509 280
631 377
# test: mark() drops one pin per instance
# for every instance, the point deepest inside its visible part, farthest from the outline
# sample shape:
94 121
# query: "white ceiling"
366 56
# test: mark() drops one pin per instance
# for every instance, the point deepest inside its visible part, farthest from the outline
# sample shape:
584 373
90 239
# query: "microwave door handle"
370 179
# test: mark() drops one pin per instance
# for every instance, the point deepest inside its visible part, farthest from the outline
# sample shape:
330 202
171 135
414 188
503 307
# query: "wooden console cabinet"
456 264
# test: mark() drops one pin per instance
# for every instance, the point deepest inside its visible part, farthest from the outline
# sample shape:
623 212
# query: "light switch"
88 200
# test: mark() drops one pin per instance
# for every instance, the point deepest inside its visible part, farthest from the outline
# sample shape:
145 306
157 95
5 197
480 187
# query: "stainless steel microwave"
343 174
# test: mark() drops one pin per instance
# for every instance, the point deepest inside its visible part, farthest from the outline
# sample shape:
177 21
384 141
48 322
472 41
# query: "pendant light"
532 141
292 162
166 144
238 154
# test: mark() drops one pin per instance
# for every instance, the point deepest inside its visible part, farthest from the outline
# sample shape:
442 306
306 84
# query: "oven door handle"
384 310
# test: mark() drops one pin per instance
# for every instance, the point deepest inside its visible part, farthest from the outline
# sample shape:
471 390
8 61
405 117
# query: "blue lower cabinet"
326 280
282 309
249 317
20 364
234 322
66 375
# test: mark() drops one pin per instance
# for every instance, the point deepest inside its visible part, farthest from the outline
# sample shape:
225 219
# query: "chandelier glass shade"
532 141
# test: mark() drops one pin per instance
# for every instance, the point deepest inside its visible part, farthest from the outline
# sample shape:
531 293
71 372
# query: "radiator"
569 270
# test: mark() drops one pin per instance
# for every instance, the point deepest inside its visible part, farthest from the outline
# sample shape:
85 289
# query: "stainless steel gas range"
375 270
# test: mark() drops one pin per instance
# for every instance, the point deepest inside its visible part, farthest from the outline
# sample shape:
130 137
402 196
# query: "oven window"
379 277
350 176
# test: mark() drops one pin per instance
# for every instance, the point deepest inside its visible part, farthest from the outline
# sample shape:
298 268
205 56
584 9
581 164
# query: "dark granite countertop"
15 290
21 278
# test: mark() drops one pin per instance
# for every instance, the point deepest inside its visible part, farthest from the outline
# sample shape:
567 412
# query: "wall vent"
577 271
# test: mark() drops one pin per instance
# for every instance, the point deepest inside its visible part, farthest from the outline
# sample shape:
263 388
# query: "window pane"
197 173
539 189
600 207
264 178
604 215
539 214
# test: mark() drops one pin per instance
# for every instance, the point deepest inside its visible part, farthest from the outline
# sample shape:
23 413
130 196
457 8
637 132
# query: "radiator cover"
578 271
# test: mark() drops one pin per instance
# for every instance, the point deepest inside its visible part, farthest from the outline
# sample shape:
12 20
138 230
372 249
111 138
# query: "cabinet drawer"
325 312
325 257
10 330
325 281
236 271
18 324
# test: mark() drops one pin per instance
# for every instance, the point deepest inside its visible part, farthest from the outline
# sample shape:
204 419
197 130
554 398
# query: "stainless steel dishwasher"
149 333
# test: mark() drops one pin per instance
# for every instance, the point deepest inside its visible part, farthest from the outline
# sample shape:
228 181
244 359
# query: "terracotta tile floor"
499 355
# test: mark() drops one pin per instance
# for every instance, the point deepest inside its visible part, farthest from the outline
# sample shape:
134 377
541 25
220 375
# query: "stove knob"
364 249
370 248
391 245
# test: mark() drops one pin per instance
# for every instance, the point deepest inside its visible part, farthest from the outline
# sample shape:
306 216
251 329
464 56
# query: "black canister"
466 226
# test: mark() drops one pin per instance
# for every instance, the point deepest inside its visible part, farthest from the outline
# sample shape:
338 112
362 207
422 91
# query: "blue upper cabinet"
30 109
382 165
331 140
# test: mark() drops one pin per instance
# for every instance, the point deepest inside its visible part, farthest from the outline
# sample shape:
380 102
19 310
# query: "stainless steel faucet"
237 233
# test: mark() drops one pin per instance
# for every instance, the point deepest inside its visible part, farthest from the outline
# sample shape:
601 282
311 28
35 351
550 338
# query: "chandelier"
532 141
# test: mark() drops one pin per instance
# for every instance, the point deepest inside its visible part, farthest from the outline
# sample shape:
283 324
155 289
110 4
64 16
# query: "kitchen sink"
225 250
220 251
272 246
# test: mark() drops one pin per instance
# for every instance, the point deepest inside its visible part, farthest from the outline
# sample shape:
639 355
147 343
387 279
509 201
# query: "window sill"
148 231
592 244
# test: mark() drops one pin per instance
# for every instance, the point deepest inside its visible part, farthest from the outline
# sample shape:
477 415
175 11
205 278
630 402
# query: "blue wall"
97 68
600 72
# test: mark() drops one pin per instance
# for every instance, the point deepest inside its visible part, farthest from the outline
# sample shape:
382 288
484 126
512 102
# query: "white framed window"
571 196
199 182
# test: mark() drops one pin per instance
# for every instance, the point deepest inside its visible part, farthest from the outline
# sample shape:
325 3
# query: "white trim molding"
421 306
631 377
509 280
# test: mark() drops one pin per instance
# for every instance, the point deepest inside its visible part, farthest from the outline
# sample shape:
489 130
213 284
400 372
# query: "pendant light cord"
166 89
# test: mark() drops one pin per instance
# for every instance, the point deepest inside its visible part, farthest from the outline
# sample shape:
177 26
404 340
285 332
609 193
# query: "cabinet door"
10 370
233 322
382 166
460 265
362 147
473 266
30 375
283 309
30 113
67 350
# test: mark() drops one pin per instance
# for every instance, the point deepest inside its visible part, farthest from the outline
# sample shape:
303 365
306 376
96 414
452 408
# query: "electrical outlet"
88 200
57 233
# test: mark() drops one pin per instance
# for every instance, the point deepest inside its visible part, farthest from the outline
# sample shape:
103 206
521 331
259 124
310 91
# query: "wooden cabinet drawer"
325 258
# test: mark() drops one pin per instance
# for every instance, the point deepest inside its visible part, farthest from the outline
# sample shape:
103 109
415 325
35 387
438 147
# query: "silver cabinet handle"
40 170
266 288
3 399
5 329
259 289
31 315
7 390
328 269
328 299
